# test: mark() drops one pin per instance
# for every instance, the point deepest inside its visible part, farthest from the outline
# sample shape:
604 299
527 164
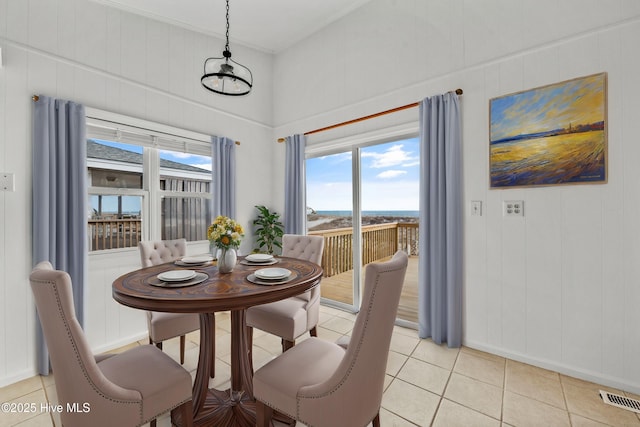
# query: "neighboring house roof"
105 152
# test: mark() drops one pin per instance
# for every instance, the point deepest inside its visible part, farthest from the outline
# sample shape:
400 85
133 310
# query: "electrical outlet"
513 207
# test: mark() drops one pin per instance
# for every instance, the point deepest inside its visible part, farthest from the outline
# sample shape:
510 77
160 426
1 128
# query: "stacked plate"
178 278
270 276
194 261
259 259
272 273
177 275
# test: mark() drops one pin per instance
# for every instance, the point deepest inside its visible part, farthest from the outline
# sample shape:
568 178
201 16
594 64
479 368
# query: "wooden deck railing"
114 233
378 241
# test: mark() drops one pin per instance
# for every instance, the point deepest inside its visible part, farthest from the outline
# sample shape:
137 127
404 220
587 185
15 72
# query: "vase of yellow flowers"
225 234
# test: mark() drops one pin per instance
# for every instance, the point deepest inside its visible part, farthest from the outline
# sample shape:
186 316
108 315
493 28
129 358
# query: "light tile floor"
426 384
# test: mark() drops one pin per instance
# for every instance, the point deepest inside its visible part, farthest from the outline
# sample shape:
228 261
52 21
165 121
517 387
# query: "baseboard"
595 377
17 377
28 373
105 348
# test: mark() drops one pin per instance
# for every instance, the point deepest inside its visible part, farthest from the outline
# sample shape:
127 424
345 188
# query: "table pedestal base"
224 409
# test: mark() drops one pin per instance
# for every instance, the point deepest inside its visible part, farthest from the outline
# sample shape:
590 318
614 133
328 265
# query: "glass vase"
227 259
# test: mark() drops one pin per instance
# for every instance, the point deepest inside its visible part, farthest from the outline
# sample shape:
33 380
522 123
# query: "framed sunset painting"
551 135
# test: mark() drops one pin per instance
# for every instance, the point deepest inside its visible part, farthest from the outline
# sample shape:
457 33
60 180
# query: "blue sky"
578 101
390 176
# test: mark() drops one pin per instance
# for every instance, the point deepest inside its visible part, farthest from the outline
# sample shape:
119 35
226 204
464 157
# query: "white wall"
559 287
114 61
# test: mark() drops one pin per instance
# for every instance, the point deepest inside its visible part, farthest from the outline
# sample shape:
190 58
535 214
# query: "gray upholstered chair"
126 389
319 383
292 317
164 326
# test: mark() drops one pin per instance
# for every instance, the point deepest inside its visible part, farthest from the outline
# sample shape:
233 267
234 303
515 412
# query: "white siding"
113 61
559 287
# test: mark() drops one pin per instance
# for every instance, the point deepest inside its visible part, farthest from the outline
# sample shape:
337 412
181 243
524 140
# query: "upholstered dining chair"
292 317
126 389
164 326
320 383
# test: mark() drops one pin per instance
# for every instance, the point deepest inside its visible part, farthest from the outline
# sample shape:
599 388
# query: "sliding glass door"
365 203
330 214
390 175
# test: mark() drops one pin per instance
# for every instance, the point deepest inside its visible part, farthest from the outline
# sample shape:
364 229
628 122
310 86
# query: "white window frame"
153 137
354 144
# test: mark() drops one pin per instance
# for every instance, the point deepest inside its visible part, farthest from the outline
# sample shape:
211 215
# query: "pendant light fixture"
225 76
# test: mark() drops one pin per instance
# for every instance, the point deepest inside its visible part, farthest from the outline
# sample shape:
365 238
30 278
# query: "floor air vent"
620 401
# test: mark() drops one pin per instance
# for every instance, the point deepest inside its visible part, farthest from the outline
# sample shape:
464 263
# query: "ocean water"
372 213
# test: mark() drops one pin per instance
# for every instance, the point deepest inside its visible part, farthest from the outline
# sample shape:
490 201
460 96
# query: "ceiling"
267 25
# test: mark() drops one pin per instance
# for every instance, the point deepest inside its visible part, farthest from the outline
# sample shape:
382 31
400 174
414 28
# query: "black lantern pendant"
225 76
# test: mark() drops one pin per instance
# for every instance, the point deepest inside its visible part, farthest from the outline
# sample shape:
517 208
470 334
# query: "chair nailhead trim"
54 287
357 351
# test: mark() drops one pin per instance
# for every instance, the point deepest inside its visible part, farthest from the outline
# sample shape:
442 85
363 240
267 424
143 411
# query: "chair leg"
159 345
376 420
185 413
182 343
313 332
264 414
286 344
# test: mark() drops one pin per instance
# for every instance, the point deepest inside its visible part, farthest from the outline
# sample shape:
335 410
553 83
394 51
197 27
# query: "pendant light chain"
227 45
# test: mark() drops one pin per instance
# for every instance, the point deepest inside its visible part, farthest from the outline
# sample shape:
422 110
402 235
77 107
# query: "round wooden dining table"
232 292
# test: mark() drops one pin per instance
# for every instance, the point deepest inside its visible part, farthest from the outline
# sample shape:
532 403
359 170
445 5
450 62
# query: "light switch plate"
476 208
7 182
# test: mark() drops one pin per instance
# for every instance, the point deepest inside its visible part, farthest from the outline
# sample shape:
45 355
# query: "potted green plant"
269 229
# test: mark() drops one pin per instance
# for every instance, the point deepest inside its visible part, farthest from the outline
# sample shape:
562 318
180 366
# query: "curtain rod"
36 98
371 116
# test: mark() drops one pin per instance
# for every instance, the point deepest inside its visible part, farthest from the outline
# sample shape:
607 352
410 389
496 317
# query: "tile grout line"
444 389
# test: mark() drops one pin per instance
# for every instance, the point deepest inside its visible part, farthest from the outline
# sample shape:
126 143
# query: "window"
116 196
145 182
185 188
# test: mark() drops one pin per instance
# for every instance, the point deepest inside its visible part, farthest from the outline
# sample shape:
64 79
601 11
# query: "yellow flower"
224 232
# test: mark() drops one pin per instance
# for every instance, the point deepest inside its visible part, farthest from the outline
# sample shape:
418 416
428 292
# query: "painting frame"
550 135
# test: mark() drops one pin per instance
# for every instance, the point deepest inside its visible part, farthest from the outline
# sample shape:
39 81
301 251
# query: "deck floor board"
339 288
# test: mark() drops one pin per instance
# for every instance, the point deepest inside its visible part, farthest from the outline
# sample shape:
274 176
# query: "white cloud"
206 166
393 156
176 154
391 174
337 158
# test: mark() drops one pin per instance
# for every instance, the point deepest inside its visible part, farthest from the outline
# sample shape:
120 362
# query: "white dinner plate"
198 278
197 259
272 273
259 257
176 275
